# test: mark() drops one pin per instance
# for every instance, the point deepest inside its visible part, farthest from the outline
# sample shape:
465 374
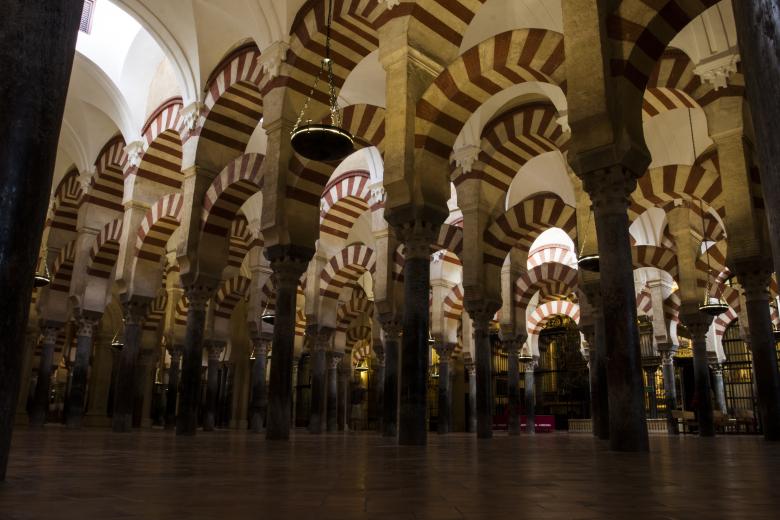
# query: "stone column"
333 390
212 379
392 334
143 388
294 395
192 358
719 388
512 347
38 39
319 391
412 425
609 189
471 370
761 65
345 374
755 285
40 404
287 266
172 394
78 386
379 382
651 390
698 324
134 310
480 316
670 387
597 356
530 396
445 389
259 395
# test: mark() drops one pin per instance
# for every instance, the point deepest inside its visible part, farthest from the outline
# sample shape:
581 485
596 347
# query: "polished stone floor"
97 475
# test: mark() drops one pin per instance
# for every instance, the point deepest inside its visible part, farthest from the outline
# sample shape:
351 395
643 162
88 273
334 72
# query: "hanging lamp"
117 343
711 305
268 317
42 277
588 262
320 141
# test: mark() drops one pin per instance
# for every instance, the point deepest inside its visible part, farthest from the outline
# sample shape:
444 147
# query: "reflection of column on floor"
530 395
670 387
652 391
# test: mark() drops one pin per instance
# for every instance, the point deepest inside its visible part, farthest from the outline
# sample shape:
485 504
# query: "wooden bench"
745 418
686 419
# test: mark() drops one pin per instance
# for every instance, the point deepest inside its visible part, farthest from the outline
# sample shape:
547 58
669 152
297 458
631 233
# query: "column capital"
288 264
391 326
697 323
471 368
175 351
417 237
50 330
134 309
322 338
754 280
609 188
198 295
444 350
86 323
481 312
215 350
270 60
335 360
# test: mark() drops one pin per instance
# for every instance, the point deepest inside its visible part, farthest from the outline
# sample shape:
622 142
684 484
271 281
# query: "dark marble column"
412 424
670 387
319 391
198 296
609 189
471 370
143 373
344 375
172 394
445 389
334 359
391 331
530 395
597 355
758 33
134 311
718 388
259 394
379 382
650 372
480 317
37 38
40 404
755 285
293 395
698 324
78 386
512 347
212 380
288 265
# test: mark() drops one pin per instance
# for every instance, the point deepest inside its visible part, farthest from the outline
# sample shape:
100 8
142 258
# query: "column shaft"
609 191
445 394
513 384
471 427
78 386
670 391
40 405
286 272
259 399
412 428
124 389
651 391
530 398
344 373
379 389
172 394
38 39
318 413
598 374
698 324
212 381
192 360
484 365
719 389
333 393
390 405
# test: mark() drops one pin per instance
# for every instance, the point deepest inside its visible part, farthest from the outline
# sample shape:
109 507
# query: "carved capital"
335 360
609 189
417 237
175 351
718 69
86 325
215 350
50 333
322 338
754 283
134 151
390 3
481 312
134 310
391 326
288 264
191 116
198 296
444 350
698 324
465 157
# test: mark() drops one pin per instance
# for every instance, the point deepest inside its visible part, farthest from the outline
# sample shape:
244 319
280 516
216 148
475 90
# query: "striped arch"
450 238
346 266
233 105
67 200
180 312
554 279
644 302
357 334
660 187
300 323
452 307
542 313
62 271
105 251
107 186
156 311
496 64
524 222
513 139
721 323
671 307
229 294
559 253
241 241
238 181
654 256
357 306
344 200
161 161
366 123
157 226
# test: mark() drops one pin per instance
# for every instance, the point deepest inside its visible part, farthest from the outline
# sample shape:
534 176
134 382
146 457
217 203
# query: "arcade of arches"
206 277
